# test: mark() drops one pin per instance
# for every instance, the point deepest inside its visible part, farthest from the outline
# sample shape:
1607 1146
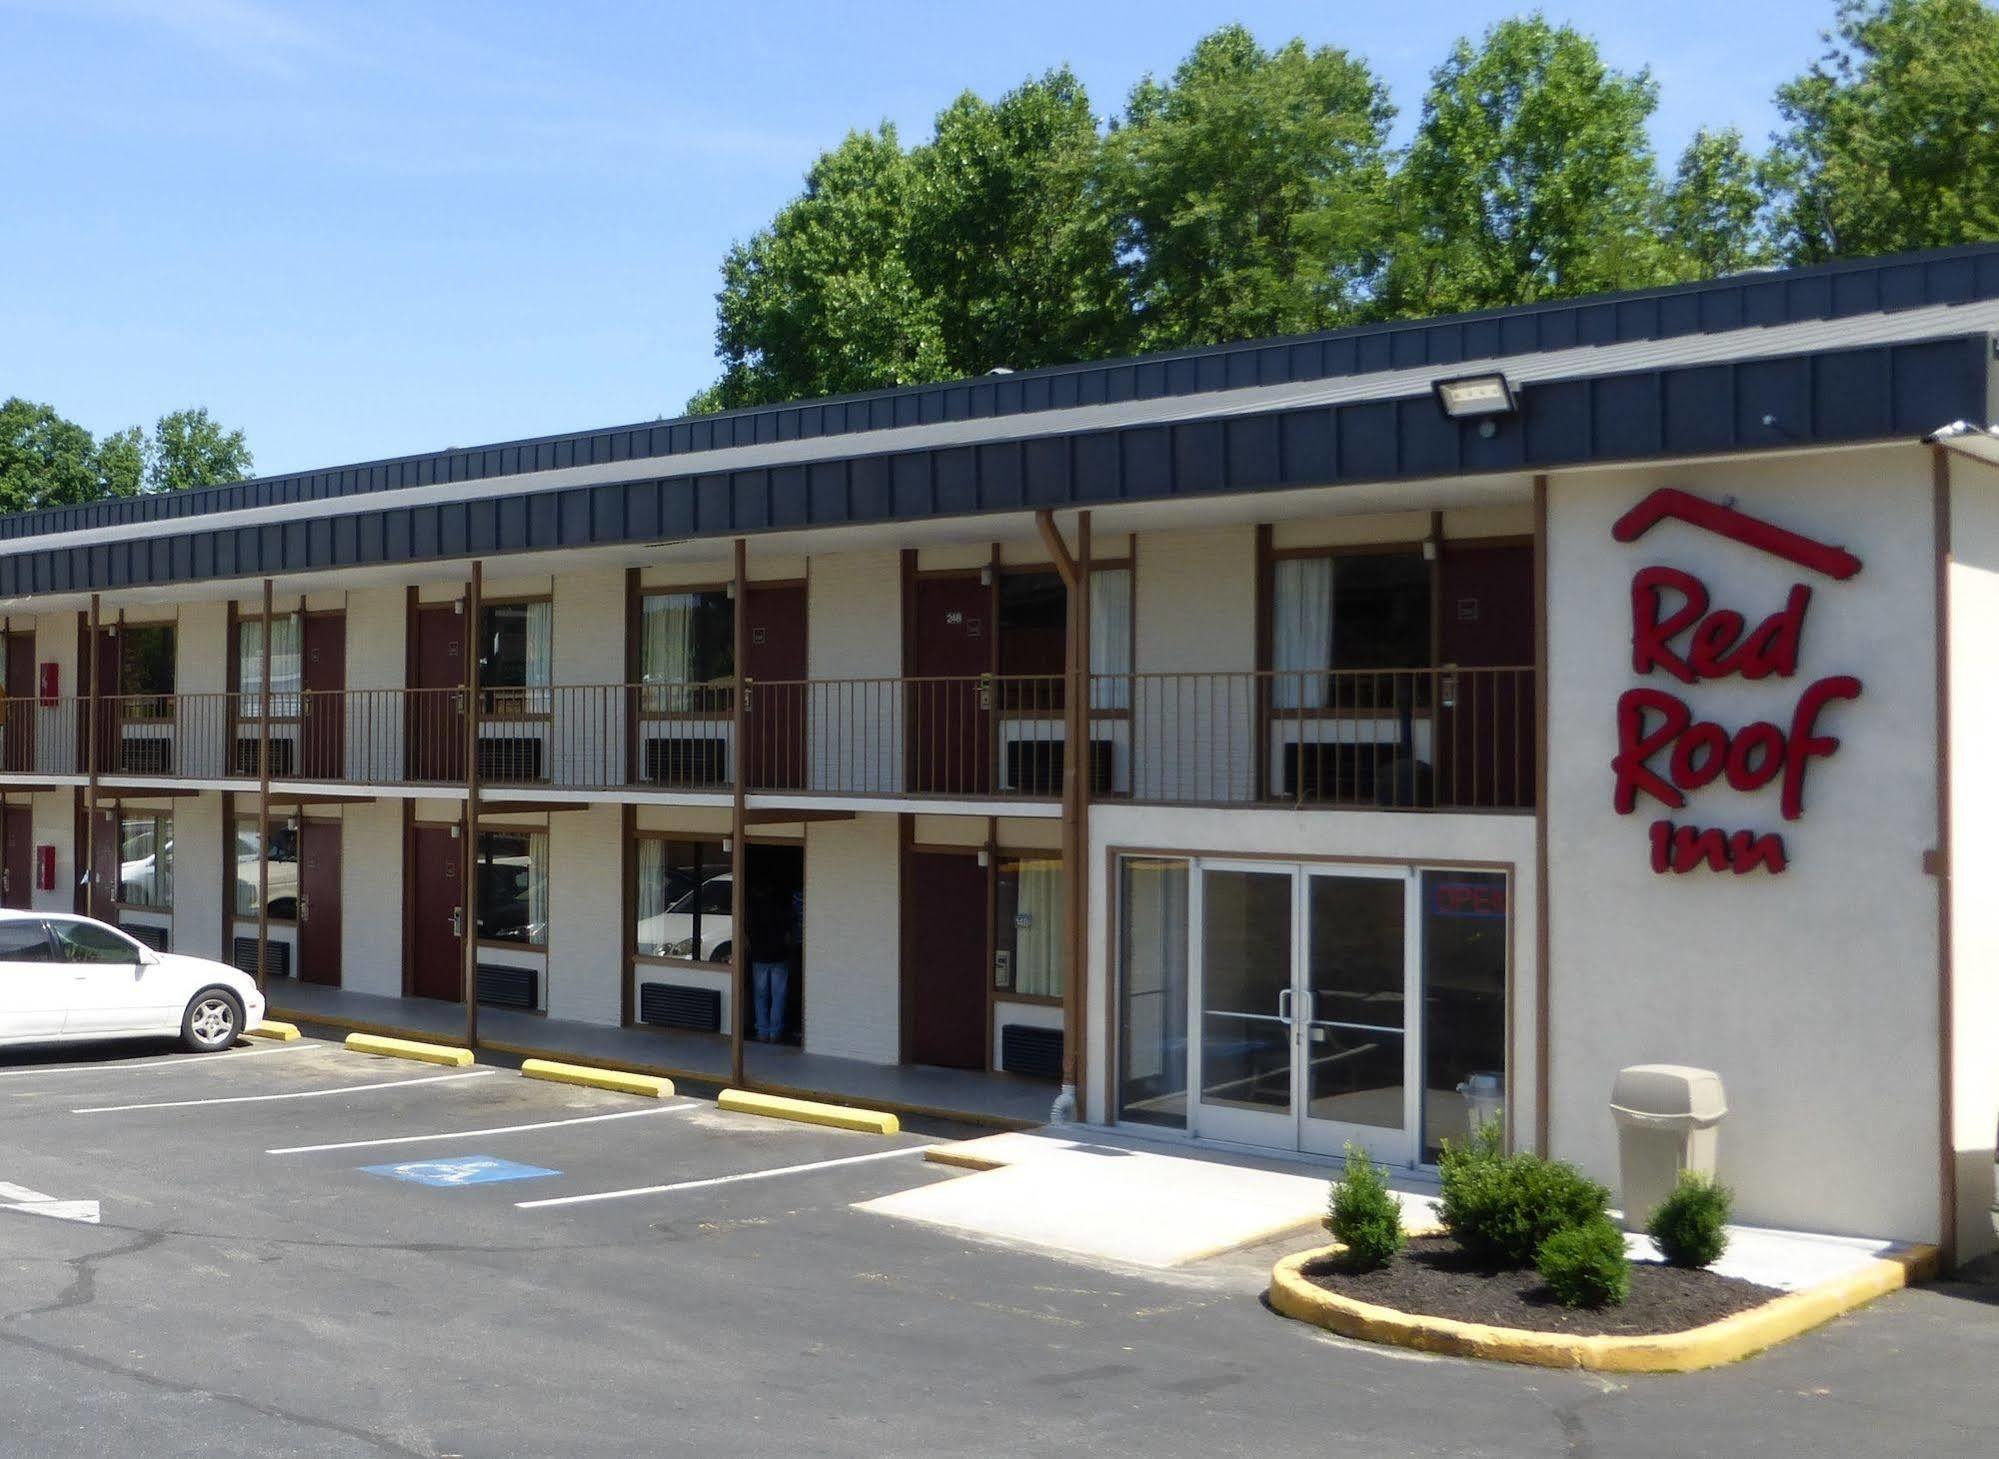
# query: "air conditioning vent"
1035 1052
154 756
507 987
686 760
158 938
509 757
1034 767
243 956
246 756
675 1005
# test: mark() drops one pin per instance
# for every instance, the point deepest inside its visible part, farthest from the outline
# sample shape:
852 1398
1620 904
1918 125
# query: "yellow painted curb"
370 1043
649 1085
1732 1338
284 1033
809 1112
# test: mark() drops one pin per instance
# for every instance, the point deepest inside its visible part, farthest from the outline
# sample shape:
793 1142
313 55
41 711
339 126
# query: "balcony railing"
1403 739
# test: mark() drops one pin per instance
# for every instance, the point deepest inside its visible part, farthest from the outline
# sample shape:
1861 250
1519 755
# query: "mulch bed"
1433 1277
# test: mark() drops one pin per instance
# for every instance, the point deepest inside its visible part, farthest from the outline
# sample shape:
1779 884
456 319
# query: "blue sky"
362 229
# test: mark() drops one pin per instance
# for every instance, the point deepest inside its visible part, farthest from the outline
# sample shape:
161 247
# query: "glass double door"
1304 980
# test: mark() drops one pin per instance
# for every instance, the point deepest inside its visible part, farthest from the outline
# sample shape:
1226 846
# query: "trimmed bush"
1689 1225
1364 1217
1502 1208
1585 1266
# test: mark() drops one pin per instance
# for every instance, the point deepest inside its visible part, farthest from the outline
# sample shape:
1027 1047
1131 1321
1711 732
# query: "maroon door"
109 731
18 745
437 909
1485 750
947 960
324 753
436 714
950 725
17 858
107 862
775 660
319 902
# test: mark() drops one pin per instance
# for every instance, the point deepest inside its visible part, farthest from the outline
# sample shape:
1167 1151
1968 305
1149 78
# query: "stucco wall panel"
852 939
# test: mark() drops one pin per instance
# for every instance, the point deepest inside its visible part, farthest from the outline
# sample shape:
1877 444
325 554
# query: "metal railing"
1398 739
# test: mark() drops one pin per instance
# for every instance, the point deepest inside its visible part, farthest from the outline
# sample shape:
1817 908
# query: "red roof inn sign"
1664 751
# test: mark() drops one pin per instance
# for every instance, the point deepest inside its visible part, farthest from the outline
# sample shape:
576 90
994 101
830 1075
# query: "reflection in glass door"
1245 1035
1353 1009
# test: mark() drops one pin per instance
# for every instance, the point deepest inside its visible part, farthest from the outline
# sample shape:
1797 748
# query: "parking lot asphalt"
272 1274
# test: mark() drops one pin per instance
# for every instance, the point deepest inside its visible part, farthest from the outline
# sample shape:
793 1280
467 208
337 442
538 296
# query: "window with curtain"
283 875
1029 934
146 861
146 669
683 904
1346 611
687 652
287 667
516 643
512 871
1110 638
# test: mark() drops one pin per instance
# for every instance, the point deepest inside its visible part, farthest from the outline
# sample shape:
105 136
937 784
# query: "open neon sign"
1664 751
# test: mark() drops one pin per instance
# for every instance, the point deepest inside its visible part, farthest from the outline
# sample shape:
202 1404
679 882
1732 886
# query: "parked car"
66 979
672 931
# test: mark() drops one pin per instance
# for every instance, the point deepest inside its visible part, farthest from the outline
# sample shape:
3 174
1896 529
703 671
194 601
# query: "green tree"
1712 212
1253 191
822 301
1530 177
1008 234
1893 139
122 460
48 461
190 449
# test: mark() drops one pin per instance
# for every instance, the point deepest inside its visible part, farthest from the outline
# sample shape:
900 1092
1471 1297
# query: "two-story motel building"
1486 702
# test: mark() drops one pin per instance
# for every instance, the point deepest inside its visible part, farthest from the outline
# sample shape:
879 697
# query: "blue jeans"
770 990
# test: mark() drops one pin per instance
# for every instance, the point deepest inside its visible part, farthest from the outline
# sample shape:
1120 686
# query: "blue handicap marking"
460 1170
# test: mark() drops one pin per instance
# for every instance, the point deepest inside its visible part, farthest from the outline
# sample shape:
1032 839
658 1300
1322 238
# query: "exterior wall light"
1473 397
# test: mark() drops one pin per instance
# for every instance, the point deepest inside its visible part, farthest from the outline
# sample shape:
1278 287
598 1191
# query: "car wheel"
213 1020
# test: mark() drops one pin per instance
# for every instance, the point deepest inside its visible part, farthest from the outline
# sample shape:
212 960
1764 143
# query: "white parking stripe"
107 1109
623 1114
688 1185
182 1061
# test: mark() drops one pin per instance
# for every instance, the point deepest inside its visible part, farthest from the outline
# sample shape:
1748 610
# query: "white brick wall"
585 934
853 998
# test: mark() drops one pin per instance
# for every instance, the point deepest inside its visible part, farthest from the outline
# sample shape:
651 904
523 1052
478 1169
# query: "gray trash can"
1666 1116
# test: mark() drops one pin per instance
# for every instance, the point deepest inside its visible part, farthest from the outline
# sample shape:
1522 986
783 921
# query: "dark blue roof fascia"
1880 392
1829 291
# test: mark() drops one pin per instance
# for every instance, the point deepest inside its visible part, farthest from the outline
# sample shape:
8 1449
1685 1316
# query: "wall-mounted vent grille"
153 756
509 757
675 1005
687 760
1034 767
507 987
246 755
1035 1052
158 938
243 954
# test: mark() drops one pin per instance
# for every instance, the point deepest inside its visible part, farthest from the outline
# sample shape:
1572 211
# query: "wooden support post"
264 797
1075 573
468 886
739 922
92 711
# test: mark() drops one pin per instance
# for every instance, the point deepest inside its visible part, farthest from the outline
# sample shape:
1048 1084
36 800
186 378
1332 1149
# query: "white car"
672 931
65 979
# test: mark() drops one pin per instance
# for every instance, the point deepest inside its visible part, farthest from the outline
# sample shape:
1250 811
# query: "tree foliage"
1252 191
49 461
1893 141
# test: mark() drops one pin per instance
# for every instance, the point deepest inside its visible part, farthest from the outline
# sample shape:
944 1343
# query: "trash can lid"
1657 1093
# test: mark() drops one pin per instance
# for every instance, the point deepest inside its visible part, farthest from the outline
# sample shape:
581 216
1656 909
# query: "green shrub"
1585 1266
1365 1218
1690 1223
1502 1208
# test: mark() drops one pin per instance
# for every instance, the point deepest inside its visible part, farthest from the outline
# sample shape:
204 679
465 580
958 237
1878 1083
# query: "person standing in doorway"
773 940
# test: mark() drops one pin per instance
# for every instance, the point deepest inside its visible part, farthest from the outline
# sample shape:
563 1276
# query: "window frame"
248 826
511 703
160 819
517 946
1266 648
718 691
666 960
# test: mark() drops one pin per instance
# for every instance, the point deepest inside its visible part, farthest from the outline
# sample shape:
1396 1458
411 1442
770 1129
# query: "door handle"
457 921
1284 1007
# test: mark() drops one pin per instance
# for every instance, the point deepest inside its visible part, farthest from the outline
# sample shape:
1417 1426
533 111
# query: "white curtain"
1110 638
651 940
538 887
287 667
667 653
1301 631
1037 930
540 649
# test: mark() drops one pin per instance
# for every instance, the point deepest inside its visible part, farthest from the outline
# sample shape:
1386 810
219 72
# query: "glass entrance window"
1356 1014
1465 937
1246 999
1152 964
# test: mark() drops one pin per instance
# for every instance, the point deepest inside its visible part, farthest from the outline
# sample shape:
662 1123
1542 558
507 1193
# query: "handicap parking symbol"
460 1170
